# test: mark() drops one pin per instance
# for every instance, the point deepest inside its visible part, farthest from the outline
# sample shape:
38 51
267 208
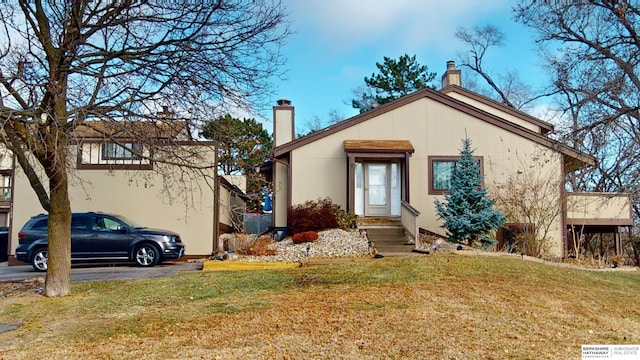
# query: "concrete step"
388 234
389 240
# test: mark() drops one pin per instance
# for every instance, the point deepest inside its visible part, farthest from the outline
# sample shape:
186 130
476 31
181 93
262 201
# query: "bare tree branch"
69 66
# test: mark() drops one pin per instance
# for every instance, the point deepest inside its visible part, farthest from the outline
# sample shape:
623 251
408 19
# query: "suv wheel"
147 255
39 261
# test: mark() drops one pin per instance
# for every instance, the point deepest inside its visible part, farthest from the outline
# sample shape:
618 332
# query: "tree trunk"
58 280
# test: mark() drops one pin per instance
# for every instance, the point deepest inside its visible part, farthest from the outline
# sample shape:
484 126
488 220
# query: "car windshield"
128 222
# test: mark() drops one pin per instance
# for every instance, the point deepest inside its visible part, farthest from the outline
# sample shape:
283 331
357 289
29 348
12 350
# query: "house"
109 175
393 161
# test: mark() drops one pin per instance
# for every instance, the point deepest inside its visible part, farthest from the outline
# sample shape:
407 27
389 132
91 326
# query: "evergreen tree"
467 210
395 79
243 145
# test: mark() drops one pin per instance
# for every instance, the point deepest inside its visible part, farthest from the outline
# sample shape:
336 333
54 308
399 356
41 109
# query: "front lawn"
441 306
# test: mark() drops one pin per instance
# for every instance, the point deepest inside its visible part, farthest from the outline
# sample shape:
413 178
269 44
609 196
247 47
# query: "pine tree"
467 209
395 78
243 145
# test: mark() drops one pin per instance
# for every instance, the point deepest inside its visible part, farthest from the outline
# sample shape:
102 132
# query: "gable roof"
545 127
161 129
574 159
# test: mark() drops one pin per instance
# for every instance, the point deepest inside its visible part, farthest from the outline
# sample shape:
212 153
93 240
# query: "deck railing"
409 217
593 208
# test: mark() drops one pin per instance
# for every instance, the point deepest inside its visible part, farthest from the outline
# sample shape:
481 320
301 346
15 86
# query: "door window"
377 184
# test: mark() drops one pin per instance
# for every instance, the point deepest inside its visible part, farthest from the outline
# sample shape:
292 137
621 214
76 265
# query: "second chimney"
452 76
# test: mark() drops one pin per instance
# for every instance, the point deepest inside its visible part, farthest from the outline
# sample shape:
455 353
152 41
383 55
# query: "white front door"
376 191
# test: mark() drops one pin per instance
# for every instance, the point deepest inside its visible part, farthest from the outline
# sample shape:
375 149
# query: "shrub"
236 241
307 236
346 220
313 215
260 247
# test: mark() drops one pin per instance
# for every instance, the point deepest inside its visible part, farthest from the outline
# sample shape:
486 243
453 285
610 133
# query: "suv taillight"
21 235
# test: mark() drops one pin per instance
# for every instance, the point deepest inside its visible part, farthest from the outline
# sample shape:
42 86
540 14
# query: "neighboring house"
6 166
393 161
111 176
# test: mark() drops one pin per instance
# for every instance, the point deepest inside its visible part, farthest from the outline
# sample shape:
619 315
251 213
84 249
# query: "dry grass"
440 306
260 247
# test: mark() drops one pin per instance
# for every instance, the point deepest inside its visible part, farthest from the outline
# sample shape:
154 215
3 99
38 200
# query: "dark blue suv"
97 236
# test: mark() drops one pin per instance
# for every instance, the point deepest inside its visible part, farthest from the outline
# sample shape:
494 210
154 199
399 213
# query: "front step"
369 222
389 240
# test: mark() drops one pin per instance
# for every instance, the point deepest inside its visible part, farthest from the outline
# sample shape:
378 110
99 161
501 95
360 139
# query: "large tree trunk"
58 281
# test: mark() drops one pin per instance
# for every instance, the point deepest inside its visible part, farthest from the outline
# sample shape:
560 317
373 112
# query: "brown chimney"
452 76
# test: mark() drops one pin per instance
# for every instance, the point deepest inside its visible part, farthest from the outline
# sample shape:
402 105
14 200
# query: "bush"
346 220
307 236
260 247
313 216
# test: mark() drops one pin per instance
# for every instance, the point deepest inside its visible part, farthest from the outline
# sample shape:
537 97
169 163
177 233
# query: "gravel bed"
330 244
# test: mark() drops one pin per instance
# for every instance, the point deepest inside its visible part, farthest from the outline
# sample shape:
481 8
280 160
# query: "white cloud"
407 23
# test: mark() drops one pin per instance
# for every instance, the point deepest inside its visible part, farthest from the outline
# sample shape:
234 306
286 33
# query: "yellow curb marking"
233 265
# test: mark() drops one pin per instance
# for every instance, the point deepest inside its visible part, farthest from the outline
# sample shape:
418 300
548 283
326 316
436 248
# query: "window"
100 155
442 173
441 169
40 225
79 223
106 224
113 151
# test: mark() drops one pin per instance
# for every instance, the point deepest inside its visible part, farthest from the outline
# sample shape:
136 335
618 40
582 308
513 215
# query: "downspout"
563 204
215 248
216 209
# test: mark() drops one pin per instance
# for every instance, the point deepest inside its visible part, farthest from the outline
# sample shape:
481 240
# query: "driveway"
103 271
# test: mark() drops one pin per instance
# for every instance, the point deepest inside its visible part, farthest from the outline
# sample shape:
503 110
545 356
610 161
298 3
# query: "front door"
381 190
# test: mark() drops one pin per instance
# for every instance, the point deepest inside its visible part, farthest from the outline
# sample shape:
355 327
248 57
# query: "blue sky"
338 42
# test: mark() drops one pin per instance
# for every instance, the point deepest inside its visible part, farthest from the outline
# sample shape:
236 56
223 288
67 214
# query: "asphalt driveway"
103 271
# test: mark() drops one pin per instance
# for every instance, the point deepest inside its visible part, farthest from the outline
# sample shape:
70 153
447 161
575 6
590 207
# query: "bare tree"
592 51
316 123
527 196
596 74
66 64
507 87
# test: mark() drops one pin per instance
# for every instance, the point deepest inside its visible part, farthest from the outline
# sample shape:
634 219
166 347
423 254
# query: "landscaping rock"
332 243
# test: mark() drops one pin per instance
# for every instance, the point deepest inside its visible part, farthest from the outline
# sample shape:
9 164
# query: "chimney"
165 114
283 124
452 76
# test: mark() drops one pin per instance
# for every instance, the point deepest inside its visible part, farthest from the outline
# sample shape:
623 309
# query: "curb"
244 265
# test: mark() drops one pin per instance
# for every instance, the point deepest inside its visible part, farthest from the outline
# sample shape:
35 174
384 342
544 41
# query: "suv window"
40 225
106 224
79 223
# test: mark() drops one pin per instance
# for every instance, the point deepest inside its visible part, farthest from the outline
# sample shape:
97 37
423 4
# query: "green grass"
437 306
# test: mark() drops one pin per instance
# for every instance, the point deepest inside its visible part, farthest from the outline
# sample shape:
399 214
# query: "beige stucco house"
393 161
107 177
